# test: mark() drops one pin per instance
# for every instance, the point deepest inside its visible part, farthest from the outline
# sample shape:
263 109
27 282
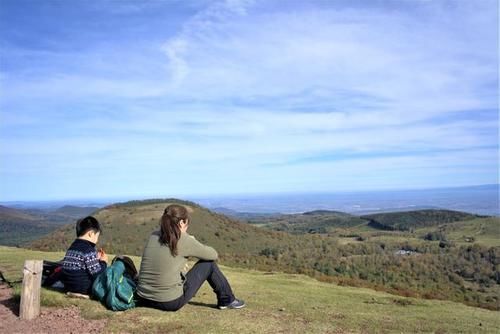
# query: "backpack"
115 286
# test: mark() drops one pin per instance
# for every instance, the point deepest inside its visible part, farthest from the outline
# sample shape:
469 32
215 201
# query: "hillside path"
51 320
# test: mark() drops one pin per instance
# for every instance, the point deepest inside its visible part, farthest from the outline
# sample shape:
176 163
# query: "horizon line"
236 195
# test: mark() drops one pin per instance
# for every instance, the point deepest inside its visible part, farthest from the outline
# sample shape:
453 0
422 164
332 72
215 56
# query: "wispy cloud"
259 96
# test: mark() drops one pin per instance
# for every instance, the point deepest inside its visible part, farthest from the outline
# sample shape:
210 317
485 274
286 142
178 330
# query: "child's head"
88 228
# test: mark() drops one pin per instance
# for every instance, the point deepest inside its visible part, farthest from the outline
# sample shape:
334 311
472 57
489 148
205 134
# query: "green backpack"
115 287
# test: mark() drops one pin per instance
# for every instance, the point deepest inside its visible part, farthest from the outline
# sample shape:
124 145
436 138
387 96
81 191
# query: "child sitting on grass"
82 263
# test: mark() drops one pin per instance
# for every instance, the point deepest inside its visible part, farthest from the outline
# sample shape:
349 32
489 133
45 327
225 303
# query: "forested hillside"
410 220
320 221
399 262
18 226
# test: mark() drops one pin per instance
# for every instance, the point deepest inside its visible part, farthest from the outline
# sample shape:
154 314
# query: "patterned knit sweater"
81 266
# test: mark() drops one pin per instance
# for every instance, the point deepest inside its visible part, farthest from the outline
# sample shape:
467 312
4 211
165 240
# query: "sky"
179 98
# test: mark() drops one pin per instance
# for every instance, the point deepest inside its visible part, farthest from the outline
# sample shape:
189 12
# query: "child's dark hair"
86 224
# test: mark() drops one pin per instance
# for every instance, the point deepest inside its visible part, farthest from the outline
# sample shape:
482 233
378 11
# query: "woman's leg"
172 305
208 271
202 271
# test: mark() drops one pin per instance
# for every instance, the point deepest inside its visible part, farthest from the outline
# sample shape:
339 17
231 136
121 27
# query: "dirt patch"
51 320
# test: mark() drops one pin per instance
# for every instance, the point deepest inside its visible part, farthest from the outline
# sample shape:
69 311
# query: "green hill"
6 212
277 303
75 211
466 273
244 216
126 227
405 221
18 226
319 221
485 231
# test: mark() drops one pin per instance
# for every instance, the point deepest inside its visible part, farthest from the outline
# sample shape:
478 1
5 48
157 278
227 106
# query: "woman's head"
174 220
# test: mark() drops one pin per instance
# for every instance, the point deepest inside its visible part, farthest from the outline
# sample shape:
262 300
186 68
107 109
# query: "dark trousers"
201 272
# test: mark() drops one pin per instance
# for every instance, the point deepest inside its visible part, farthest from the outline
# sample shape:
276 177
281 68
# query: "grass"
277 303
408 220
485 231
127 226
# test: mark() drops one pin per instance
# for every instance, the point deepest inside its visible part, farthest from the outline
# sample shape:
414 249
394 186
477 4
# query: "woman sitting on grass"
162 284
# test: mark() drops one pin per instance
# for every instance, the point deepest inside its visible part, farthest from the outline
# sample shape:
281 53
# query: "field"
485 231
431 265
277 303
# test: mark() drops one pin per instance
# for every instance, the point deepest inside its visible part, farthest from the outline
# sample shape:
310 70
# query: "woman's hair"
170 231
86 224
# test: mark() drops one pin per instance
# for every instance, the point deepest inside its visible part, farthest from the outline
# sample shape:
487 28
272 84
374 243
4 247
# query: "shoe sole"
232 307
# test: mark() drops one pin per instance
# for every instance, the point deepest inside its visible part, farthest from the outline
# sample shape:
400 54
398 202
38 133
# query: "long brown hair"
170 231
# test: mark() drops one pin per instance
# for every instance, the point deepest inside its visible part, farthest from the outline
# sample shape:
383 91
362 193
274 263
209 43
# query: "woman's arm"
193 247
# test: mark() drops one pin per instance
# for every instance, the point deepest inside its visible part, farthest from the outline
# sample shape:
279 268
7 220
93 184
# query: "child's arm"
93 264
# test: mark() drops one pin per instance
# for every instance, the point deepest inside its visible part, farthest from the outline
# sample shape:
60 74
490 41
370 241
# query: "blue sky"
183 98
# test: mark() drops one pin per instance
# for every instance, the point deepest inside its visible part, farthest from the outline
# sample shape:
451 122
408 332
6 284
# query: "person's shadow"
202 304
8 300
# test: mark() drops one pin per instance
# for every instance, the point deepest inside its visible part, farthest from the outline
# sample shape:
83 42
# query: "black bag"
129 266
51 273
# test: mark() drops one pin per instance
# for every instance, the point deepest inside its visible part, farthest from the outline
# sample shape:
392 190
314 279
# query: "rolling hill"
75 211
18 226
466 273
327 221
244 216
11 213
485 231
126 227
318 221
405 221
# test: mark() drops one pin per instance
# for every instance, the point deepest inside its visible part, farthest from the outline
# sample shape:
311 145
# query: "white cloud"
285 94
382 55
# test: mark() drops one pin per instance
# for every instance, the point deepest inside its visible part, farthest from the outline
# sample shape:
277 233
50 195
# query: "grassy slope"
485 231
319 221
76 211
126 228
416 219
278 303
